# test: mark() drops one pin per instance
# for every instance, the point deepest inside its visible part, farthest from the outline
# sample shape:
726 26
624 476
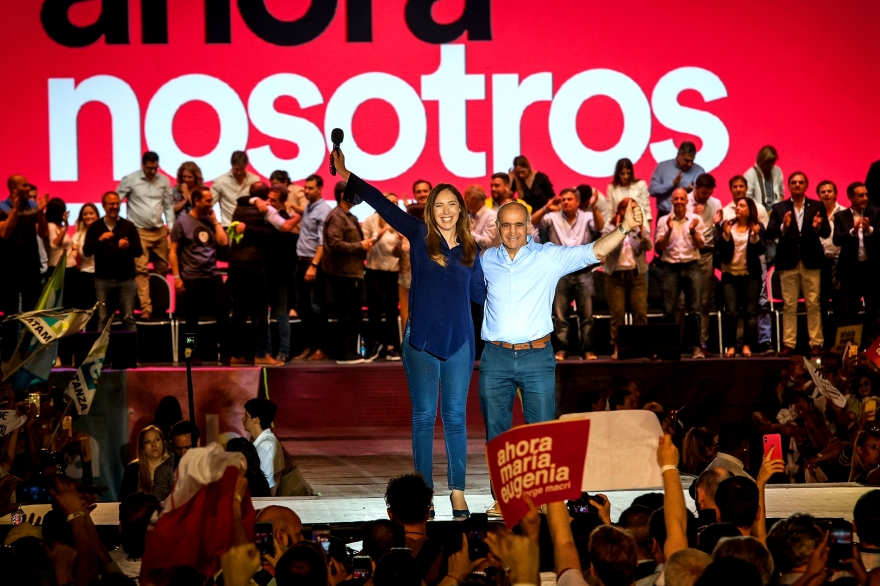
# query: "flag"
195 525
37 357
81 389
49 325
10 420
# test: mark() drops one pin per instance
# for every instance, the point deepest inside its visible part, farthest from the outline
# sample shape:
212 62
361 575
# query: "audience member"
733 446
698 449
233 185
22 225
258 417
791 542
196 239
678 173
189 178
151 452
380 537
766 186
866 455
830 295
482 218
148 195
381 283
409 503
342 263
798 223
737 502
397 568
566 225
635 519
866 524
309 277
287 527
709 535
84 295
730 572
679 241
301 565
258 484
135 512
859 261
705 489
501 192
247 282
613 556
60 242
626 278
532 187
707 207
740 248
281 268
749 550
115 243
625 185
184 437
685 567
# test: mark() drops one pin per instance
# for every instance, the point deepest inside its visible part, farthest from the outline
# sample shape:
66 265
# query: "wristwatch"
622 229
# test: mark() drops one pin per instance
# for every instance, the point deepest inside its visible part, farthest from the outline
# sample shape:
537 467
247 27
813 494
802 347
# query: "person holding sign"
438 346
521 277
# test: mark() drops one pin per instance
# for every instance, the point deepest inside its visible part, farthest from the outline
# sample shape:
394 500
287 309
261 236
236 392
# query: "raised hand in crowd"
694 223
460 565
728 227
517 552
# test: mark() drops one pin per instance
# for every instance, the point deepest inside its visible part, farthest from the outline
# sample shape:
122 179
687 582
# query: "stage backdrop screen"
448 90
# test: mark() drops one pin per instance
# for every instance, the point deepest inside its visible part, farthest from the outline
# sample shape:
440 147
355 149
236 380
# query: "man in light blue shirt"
521 277
670 175
309 280
148 195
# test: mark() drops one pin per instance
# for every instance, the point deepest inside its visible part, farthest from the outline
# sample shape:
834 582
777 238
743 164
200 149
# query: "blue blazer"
439 297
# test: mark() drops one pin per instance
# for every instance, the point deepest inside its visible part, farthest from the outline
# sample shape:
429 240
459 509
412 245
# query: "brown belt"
534 344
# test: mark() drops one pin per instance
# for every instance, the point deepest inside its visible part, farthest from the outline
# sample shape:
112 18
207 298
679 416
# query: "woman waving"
438 346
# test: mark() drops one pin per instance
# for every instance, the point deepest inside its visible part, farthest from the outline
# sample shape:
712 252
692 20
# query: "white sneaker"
698 353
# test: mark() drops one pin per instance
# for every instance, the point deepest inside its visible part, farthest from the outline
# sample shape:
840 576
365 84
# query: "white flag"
81 389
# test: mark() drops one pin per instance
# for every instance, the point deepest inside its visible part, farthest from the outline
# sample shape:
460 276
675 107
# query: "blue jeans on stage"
502 370
278 303
429 376
116 294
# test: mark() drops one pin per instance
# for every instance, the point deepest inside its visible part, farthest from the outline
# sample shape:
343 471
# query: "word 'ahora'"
527 468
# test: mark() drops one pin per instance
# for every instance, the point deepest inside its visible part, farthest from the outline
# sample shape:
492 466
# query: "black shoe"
392 355
373 352
351 358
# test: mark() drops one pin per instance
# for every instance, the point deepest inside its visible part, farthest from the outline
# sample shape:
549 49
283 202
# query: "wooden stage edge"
820 500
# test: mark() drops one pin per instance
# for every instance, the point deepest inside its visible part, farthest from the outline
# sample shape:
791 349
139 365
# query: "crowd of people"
279 250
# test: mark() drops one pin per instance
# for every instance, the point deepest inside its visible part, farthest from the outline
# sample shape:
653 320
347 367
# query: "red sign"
448 91
542 460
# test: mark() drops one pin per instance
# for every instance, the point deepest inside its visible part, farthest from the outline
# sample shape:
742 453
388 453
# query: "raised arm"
612 240
358 190
674 510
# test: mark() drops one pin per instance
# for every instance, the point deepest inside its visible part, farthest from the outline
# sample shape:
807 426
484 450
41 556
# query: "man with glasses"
184 437
799 223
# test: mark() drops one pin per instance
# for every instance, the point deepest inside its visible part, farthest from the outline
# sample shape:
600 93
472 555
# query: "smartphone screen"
870 410
773 441
475 531
321 534
263 538
362 567
840 543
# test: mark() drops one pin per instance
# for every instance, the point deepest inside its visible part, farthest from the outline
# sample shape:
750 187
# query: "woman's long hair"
696 450
80 225
462 229
145 475
521 161
620 166
55 209
753 211
858 467
258 485
192 168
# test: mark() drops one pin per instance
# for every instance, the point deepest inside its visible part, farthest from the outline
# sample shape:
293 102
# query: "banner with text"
542 460
84 384
449 91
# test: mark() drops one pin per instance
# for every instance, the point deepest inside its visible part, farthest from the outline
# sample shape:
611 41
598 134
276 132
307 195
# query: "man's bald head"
707 486
286 524
18 186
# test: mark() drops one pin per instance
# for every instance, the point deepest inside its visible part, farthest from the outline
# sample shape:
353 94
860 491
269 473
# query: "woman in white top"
739 248
85 294
380 281
60 241
624 185
764 178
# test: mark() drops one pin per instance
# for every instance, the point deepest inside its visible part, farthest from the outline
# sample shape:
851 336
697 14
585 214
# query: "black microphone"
336 136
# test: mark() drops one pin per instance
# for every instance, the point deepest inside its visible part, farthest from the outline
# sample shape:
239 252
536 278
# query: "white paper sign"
622 453
10 420
824 386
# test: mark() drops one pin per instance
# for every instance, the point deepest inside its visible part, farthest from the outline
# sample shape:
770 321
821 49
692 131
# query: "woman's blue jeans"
430 377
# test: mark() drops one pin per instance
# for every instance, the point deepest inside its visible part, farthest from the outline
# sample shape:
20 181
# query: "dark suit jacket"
724 250
872 182
849 242
163 477
798 245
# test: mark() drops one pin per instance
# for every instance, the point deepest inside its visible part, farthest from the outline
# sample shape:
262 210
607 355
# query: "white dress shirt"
483 228
383 256
147 200
521 291
857 217
227 190
563 233
831 251
637 191
707 214
682 247
271 457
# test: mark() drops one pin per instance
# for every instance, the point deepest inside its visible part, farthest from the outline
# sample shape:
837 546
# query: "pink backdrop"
800 76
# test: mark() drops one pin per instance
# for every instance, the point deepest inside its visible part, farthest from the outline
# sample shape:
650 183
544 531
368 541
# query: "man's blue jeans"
428 377
116 294
502 370
278 303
